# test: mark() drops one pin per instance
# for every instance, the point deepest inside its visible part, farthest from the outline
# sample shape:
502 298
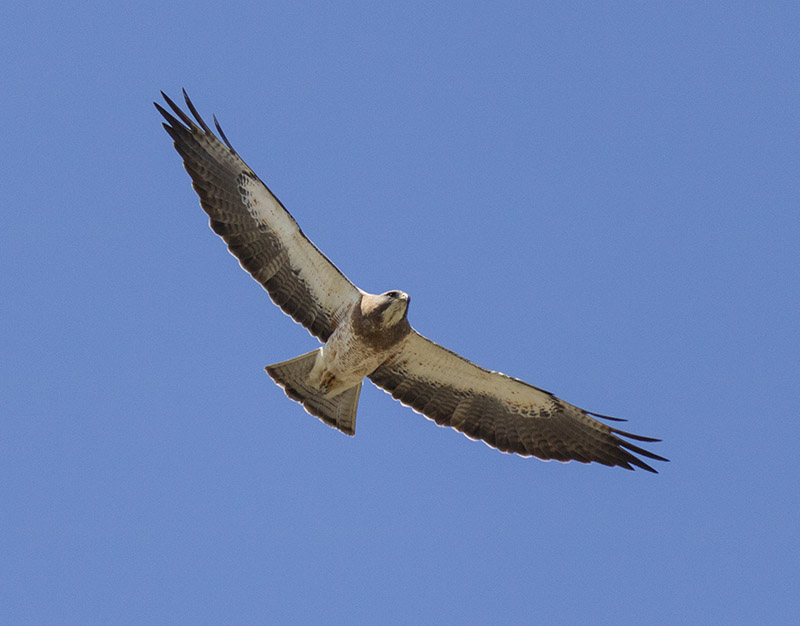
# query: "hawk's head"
393 307
381 321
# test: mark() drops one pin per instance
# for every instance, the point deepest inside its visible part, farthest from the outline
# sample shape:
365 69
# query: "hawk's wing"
259 231
505 412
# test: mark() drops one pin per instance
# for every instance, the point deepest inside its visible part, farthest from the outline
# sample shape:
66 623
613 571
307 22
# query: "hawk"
367 335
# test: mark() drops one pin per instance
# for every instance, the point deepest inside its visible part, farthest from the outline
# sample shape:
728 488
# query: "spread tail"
338 411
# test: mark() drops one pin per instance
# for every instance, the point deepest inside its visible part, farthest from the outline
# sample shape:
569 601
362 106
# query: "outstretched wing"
259 231
505 412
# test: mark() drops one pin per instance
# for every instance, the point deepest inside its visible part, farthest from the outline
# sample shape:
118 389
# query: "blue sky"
599 198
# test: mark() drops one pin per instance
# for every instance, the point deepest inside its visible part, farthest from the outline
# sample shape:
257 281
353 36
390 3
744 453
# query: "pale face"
394 305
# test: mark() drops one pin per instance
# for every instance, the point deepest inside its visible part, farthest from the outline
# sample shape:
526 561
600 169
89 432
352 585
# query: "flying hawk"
369 335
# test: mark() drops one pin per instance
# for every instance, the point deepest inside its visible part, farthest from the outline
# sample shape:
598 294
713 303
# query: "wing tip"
187 123
222 134
629 448
606 417
195 113
179 123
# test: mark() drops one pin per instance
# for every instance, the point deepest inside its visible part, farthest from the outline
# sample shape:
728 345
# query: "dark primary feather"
219 176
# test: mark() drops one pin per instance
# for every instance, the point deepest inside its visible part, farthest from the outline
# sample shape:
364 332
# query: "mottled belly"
344 362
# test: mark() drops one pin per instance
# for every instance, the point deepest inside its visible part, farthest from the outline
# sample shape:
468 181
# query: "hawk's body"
367 335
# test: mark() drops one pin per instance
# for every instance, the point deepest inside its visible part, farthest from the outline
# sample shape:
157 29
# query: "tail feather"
338 411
